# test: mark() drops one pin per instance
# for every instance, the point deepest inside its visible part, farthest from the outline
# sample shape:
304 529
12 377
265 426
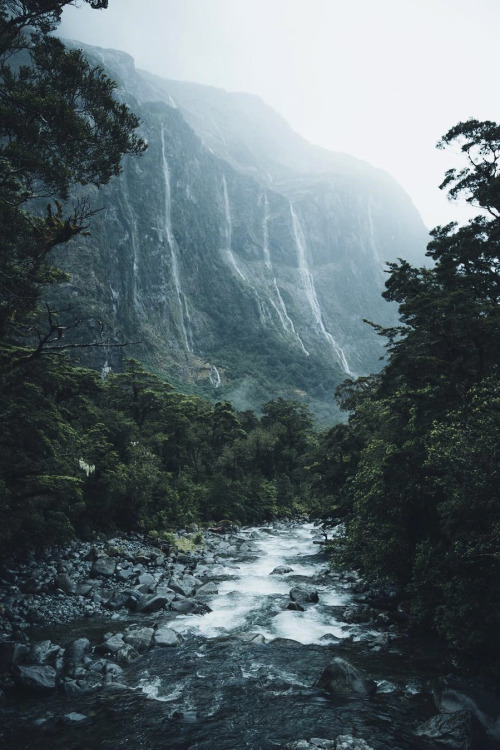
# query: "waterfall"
310 291
174 250
284 318
229 231
130 215
214 377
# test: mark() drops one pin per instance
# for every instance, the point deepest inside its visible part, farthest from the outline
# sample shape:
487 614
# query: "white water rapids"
247 601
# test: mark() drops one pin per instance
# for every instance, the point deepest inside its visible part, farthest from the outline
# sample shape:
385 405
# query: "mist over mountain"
243 258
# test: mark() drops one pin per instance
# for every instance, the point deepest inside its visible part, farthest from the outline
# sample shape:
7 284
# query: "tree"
60 126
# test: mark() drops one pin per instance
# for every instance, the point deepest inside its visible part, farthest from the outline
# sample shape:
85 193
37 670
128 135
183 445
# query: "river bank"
249 641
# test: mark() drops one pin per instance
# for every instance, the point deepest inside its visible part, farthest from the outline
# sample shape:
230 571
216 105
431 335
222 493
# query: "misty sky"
379 79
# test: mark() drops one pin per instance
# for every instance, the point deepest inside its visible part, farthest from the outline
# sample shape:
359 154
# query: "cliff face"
243 258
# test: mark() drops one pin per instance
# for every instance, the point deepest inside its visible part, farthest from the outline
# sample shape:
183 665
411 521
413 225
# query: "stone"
358 613
126 654
304 593
42 652
341 677
12 653
111 645
459 730
76 650
295 607
180 587
208 589
141 638
190 607
281 570
104 566
149 604
65 583
348 742
38 678
146 579
167 637
73 718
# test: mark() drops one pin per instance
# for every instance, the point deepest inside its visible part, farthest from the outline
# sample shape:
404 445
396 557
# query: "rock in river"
303 594
341 677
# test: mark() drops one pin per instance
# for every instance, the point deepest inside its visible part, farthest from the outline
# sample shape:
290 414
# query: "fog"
379 79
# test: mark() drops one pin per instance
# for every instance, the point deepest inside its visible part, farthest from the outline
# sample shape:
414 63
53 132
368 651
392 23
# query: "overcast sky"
379 79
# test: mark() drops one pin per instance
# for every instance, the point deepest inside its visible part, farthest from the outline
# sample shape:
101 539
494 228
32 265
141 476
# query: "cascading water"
183 315
214 377
284 318
310 291
229 231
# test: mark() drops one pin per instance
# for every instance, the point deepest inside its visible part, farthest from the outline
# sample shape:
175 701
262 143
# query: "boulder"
341 677
303 593
348 742
458 731
295 607
65 583
140 638
149 604
38 678
76 650
281 570
43 652
146 579
111 645
180 586
208 589
12 653
165 636
104 566
358 613
73 718
190 607
126 654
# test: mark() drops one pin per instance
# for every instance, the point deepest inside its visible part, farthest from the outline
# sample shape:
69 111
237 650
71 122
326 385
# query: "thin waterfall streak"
229 230
172 242
310 291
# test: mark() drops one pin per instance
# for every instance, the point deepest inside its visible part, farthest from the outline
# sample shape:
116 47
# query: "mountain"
243 258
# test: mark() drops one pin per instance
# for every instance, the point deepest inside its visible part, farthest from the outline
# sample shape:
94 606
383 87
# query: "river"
245 674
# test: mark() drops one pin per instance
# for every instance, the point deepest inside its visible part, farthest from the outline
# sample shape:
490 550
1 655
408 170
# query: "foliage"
419 496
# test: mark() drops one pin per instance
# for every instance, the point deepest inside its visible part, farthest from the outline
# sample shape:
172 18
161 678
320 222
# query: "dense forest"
413 474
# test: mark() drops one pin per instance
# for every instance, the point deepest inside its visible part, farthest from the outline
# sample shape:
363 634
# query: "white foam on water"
304 627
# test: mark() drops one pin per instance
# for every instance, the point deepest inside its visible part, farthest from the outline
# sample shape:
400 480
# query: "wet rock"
112 672
312 744
111 645
12 653
348 742
295 607
342 678
180 586
38 678
104 566
140 638
190 607
358 613
65 583
149 604
281 570
76 650
73 718
84 589
126 654
303 593
146 579
166 637
484 705
459 731
208 589
43 652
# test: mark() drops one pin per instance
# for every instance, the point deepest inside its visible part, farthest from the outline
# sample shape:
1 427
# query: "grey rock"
208 589
459 731
12 653
126 654
111 645
146 579
166 637
65 583
358 613
303 593
190 607
342 678
77 650
38 678
149 604
348 742
141 638
295 607
73 718
104 566
281 570
43 652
